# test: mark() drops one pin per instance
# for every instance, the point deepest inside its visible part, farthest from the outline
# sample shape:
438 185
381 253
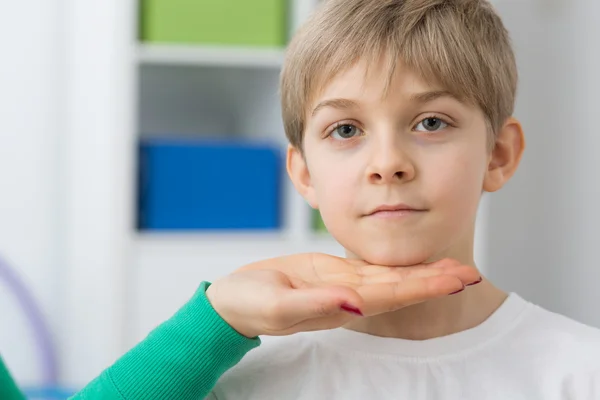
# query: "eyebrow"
422 98
426 97
340 104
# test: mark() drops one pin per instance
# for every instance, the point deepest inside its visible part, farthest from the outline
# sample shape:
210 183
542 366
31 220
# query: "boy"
399 116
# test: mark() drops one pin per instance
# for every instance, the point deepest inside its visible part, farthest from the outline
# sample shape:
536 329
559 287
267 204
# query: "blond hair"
461 45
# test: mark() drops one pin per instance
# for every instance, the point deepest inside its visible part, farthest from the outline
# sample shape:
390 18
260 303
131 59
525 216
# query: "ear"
300 176
506 156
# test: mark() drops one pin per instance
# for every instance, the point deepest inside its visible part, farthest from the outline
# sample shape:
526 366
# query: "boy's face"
417 154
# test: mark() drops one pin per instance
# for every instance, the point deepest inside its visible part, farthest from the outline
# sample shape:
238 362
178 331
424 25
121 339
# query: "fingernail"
476 282
458 291
351 309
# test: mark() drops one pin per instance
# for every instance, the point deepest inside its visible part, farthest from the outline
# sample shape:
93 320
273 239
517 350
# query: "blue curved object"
41 331
48 394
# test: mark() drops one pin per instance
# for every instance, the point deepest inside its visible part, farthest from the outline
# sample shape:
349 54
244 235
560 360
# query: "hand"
307 292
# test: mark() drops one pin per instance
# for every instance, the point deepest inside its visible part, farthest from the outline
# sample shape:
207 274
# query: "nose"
390 163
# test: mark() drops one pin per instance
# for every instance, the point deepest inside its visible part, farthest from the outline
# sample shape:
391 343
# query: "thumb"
300 305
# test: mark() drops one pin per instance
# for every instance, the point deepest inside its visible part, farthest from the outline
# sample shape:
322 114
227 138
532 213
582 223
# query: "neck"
436 318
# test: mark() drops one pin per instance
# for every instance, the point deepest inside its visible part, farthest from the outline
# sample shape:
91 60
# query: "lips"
394 209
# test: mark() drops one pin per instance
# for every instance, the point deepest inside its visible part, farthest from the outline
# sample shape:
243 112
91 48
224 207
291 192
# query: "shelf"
246 57
232 243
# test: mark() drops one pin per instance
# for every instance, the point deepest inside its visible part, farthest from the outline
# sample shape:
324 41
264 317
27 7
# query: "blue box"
191 184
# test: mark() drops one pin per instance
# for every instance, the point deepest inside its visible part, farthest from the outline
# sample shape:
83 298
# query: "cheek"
335 183
335 187
458 183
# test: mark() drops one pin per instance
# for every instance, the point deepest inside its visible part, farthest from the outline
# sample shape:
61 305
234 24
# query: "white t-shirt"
521 352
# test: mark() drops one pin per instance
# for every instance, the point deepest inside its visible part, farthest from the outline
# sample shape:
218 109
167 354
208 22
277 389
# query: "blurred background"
143 153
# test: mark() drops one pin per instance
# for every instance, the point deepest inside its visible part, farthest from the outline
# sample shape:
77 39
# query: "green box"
317 222
219 22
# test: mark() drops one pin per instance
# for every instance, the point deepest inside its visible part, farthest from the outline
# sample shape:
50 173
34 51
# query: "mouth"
395 211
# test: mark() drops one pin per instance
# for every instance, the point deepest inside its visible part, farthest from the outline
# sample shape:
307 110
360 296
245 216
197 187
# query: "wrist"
213 297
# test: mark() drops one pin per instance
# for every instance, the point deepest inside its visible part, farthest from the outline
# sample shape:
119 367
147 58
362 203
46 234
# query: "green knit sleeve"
181 359
8 388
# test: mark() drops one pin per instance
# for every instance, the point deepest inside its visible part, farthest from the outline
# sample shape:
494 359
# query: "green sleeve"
181 359
8 388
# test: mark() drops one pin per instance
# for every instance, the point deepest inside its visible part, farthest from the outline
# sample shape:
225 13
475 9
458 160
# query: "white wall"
30 123
66 176
543 228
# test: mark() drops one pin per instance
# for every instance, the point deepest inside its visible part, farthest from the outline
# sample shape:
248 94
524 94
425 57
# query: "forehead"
374 81
377 79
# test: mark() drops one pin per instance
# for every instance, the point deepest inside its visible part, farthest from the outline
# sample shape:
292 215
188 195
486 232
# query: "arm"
181 359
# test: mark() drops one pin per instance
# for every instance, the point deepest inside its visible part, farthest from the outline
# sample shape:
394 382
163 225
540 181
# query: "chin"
393 260
391 256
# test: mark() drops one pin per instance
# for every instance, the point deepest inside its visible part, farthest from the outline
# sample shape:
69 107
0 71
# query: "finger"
295 306
465 273
399 276
368 270
386 297
444 263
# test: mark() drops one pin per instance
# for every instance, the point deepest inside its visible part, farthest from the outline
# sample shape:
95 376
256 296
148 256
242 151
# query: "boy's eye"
431 124
345 131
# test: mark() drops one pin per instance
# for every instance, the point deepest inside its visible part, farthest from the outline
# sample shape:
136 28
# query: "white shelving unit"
211 90
120 283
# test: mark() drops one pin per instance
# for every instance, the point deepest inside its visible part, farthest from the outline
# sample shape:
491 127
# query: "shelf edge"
192 55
